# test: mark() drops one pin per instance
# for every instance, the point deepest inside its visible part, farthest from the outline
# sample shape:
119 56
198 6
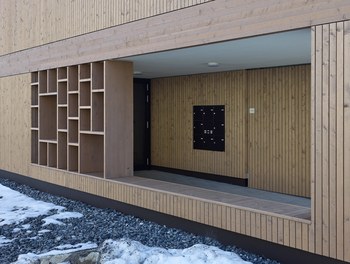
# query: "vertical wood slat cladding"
15 142
172 128
270 227
52 20
278 133
279 130
330 232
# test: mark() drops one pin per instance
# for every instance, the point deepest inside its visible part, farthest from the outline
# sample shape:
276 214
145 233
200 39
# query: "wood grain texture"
172 122
118 98
15 123
279 130
211 22
330 122
273 148
52 20
199 205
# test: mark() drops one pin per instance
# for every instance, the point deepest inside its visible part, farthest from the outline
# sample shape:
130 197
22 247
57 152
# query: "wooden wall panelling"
171 122
51 20
167 32
330 118
15 135
340 139
279 138
346 140
118 119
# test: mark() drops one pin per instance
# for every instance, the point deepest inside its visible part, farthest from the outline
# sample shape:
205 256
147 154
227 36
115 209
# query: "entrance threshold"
238 196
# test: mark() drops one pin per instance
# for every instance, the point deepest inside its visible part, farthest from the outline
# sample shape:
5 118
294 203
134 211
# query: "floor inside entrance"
289 205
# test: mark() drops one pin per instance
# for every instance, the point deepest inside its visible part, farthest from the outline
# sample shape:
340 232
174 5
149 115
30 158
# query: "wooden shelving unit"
68 126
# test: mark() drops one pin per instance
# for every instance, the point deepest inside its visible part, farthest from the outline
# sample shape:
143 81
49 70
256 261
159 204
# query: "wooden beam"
208 23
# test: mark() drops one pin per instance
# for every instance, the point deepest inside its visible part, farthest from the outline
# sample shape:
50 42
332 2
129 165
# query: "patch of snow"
24 227
4 241
131 252
80 246
16 207
64 249
16 230
42 231
27 226
54 219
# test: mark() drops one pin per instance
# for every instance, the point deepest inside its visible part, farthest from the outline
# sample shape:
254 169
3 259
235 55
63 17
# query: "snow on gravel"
31 257
16 207
32 228
132 252
54 219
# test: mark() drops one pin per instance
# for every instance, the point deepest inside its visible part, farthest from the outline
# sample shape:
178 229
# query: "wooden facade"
172 122
330 150
270 147
25 24
70 40
279 130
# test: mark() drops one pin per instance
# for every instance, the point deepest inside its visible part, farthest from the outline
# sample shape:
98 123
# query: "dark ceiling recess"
209 127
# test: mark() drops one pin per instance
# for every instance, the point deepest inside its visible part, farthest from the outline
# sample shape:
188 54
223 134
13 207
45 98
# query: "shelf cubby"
73 158
43 153
48 117
52 81
35 77
62 118
62 93
85 115
73 131
35 94
34 146
97 112
62 151
35 117
42 82
85 94
76 118
97 76
92 154
73 78
73 105
62 73
52 155
84 71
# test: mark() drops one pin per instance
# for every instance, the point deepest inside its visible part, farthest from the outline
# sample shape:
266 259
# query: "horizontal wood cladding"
271 227
214 21
330 234
172 122
271 146
279 130
51 20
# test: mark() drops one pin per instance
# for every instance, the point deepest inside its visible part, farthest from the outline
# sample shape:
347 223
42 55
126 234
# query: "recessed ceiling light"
213 64
137 73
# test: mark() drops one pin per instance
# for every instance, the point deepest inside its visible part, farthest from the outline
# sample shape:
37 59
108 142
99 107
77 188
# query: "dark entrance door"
141 124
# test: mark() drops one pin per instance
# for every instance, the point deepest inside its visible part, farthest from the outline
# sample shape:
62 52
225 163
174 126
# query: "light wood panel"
172 122
190 203
214 21
15 123
279 130
119 121
51 20
329 234
278 134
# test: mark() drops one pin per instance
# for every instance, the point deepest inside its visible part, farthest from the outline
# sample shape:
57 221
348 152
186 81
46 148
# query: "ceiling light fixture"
137 73
213 64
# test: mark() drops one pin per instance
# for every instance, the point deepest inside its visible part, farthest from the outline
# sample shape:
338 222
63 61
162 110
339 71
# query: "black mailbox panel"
209 127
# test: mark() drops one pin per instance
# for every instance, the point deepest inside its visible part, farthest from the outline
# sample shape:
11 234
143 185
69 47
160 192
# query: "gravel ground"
96 226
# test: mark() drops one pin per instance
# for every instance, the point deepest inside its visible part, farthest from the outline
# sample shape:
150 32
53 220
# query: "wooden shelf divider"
68 123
